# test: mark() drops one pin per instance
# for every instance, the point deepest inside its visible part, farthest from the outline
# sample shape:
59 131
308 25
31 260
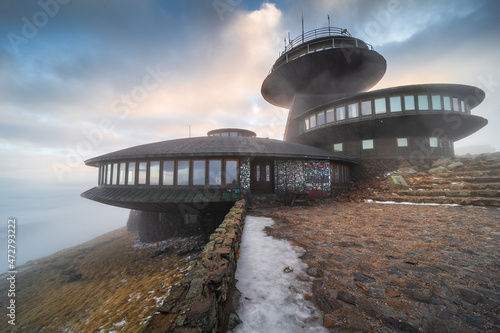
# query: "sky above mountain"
80 78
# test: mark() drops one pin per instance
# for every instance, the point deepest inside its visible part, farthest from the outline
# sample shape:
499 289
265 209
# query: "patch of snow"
411 203
268 301
121 323
158 300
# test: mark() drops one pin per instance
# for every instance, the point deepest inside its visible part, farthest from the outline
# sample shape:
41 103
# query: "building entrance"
262 176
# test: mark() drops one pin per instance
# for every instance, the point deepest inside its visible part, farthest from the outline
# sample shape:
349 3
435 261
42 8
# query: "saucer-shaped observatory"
323 77
198 179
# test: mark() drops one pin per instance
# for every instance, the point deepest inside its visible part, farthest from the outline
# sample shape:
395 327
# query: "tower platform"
326 61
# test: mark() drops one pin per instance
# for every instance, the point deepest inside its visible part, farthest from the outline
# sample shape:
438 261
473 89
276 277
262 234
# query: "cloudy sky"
80 78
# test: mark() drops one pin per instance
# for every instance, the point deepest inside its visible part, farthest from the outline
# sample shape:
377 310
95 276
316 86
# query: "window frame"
318 118
341 147
338 108
150 172
431 140
422 96
162 173
400 104
188 176
449 107
332 112
367 102
406 145
193 172
226 170
209 172
127 178
385 105
367 141
436 98
139 173
353 107
408 97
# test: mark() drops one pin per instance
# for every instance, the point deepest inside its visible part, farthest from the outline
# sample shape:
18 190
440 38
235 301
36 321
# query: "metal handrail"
302 43
316 33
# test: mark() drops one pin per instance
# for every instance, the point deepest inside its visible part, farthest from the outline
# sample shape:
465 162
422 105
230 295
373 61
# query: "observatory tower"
323 77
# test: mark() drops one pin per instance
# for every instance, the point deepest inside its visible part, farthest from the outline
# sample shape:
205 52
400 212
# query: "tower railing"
316 33
300 46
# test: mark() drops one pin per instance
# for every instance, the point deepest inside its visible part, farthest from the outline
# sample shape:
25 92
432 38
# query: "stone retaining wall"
202 302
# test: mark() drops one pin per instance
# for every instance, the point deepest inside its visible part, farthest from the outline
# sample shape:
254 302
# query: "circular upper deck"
323 61
231 132
413 110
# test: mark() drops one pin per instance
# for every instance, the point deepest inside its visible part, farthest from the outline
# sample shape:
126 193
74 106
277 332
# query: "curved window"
436 102
456 106
182 172
131 173
340 113
366 108
330 116
154 173
108 177
423 102
312 121
199 172
114 174
141 179
447 103
121 174
395 103
231 172
214 172
410 103
321 118
353 110
380 106
168 173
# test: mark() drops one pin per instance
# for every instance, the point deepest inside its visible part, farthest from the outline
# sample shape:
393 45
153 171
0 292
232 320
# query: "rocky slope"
464 181
112 283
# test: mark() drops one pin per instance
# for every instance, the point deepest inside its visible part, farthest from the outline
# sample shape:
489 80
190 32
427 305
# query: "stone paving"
398 268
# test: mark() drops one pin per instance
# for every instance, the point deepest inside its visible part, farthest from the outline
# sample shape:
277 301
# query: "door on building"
262 176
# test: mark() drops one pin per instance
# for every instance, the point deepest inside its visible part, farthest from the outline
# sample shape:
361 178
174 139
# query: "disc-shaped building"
323 77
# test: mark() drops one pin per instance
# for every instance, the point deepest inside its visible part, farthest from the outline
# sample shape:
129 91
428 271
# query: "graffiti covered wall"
312 177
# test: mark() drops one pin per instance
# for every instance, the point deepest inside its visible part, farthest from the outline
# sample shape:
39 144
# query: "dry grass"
103 285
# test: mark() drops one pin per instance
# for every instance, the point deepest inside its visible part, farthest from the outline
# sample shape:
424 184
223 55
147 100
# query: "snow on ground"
272 300
410 203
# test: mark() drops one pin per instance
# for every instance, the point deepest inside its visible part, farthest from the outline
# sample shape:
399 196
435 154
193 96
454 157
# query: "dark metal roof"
215 146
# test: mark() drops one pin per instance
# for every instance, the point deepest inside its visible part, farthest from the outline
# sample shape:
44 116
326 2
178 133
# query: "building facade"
334 122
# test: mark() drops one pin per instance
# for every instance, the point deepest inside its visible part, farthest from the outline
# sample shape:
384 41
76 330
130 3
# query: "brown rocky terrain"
399 268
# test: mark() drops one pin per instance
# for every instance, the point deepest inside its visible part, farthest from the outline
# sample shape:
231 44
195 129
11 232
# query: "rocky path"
399 268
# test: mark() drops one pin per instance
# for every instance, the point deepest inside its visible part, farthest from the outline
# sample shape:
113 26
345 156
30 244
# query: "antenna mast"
302 26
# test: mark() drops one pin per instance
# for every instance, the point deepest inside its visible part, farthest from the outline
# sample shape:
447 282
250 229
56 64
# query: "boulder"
440 169
397 183
454 165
